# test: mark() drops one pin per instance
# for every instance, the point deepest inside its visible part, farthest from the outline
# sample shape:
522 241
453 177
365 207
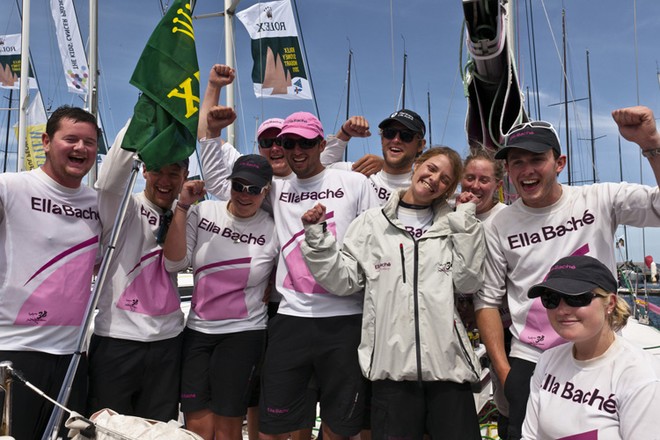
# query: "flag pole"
65 390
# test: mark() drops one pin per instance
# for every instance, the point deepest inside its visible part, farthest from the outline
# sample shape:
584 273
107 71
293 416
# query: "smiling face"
275 154
479 179
70 152
432 179
245 205
163 186
305 163
399 156
534 175
587 327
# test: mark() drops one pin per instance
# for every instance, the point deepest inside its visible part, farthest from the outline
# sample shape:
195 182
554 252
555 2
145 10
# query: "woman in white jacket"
408 257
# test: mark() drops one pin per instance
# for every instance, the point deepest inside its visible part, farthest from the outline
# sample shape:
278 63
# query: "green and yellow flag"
164 124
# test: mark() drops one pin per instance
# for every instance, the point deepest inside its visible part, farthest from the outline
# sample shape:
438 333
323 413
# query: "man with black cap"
402 140
547 222
136 345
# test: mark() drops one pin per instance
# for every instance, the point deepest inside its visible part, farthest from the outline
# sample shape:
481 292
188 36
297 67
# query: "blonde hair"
454 160
618 317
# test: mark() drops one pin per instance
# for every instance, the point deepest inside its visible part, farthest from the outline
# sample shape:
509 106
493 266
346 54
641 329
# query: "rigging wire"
394 93
304 50
366 148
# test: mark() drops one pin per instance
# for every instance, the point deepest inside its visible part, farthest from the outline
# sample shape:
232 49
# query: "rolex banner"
69 41
10 63
163 129
278 71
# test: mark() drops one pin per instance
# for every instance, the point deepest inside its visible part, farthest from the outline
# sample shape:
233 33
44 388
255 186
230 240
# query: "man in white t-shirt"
548 222
136 344
49 236
315 333
402 140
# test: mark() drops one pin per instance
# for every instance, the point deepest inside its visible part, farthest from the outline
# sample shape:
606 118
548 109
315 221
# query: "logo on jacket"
384 265
444 267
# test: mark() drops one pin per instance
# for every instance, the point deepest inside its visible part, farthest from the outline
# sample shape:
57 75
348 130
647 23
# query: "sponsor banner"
279 70
10 63
35 126
71 47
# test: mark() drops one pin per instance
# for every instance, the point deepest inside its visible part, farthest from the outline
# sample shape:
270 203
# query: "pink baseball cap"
268 124
303 124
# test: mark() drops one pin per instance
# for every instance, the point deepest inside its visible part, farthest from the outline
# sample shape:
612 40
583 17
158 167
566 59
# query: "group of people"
314 283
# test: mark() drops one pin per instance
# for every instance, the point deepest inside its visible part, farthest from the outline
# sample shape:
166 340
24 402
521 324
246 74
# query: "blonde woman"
409 256
598 386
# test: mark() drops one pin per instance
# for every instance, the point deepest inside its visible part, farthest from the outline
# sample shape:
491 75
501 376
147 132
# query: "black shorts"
135 378
219 371
300 349
408 409
46 372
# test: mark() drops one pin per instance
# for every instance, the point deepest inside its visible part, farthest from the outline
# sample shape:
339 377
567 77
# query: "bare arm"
174 248
491 332
637 124
219 77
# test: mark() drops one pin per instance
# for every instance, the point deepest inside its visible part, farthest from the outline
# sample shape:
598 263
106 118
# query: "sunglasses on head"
268 142
305 144
533 124
404 135
550 300
253 190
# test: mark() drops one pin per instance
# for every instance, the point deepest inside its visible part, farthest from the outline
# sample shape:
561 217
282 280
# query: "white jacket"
410 328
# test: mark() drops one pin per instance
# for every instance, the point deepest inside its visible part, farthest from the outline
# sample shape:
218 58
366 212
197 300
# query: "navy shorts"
300 349
409 409
219 371
130 377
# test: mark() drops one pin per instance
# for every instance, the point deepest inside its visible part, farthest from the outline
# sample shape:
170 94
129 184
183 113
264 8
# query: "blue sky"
377 31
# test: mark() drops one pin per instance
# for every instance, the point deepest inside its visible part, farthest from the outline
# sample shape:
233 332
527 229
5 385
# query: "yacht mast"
24 93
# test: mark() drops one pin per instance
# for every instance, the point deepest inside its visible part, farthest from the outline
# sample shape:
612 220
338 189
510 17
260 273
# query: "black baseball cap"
408 118
254 169
534 136
576 275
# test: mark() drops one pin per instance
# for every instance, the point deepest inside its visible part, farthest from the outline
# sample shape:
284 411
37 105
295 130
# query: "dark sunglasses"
550 300
305 144
405 135
267 143
253 190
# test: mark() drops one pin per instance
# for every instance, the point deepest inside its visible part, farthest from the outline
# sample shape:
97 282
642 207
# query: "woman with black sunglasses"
610 388
232 248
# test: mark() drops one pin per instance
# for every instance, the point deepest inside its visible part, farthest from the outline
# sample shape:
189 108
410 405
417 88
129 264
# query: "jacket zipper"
403 262
418 349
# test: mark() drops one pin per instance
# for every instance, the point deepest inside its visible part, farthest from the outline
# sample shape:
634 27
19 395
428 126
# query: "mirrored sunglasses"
405 135
305 144
550 300
268 142
253 190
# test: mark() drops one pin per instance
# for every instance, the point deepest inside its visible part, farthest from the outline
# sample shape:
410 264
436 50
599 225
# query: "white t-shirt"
139 300
50 241
612 397
524 242
232 260
383 183
345 195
